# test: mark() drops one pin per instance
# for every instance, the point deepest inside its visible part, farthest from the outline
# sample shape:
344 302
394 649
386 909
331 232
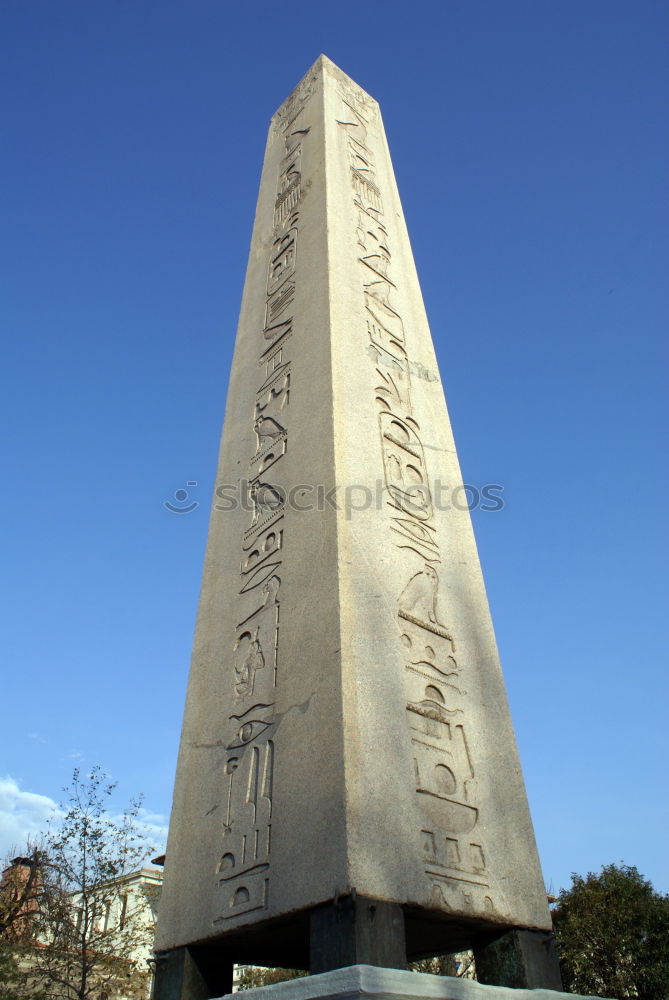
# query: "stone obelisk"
348 786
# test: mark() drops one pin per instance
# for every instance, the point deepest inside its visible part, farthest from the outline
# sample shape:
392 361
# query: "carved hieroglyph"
346 723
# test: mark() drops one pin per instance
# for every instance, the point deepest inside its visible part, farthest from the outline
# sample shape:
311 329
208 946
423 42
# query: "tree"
612 934
20 895
92 936
10 973
255 975
443 965
460 965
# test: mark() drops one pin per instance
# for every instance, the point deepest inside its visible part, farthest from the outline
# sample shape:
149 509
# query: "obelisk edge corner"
349 85
304 89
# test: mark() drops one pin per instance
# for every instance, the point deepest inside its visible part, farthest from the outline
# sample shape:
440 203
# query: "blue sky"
529 141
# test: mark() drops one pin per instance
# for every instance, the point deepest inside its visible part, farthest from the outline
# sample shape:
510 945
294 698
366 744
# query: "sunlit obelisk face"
346 722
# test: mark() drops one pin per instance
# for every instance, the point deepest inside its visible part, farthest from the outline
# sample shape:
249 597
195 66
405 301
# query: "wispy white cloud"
23 816
36 737
154 826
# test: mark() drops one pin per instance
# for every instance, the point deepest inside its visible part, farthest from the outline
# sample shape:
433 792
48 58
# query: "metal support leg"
520 958
192 974
356 931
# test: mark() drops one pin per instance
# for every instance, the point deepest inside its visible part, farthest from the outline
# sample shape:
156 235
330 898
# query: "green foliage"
254 976
441 965
612 933
10 976
460 965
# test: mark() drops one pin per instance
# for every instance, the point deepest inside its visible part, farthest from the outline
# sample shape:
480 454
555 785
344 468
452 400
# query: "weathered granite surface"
372 983
346 724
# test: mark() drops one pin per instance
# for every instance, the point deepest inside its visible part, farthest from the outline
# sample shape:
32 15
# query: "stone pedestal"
348 787
364 981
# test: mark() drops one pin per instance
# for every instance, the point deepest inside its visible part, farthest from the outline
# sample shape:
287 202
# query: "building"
19 891
116 919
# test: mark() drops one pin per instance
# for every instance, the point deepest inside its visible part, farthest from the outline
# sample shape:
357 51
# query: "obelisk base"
361 932
365 982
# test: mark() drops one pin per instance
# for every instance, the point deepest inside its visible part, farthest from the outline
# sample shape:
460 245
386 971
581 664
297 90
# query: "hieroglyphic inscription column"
346 732
451 836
